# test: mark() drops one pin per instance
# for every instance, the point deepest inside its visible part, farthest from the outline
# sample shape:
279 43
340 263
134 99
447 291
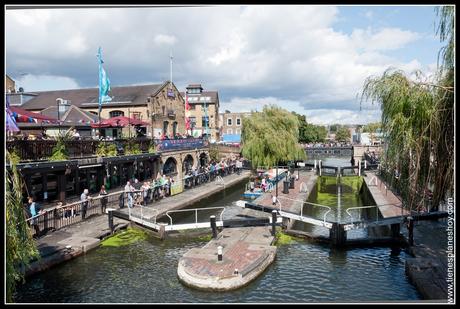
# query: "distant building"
204 111
10 85
71 117
232 125
161 105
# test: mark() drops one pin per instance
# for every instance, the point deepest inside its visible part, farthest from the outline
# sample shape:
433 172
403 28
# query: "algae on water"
124 238
284 239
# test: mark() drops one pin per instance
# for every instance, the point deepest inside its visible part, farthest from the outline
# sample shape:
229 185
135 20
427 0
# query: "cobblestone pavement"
243 249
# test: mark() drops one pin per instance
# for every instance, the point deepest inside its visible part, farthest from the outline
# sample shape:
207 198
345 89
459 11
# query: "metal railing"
301 208
196 223
57 217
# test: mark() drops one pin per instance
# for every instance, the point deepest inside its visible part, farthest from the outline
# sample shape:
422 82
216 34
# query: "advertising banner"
185 143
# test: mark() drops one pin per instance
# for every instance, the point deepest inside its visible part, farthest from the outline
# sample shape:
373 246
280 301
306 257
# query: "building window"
192 107
205 121
229 131
192 121
165 127
164 110
136 115
237 131
238 121
229 121
116 114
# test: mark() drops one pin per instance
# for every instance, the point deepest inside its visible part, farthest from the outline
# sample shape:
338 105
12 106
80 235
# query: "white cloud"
327 116
291 55
384 39
32 83
164 39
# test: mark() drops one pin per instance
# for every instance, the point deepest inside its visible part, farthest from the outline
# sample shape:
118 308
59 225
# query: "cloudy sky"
308 59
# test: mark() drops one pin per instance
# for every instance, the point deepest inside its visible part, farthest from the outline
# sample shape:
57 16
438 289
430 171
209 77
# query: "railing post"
213 226
55 214
273 222
110 212
410 227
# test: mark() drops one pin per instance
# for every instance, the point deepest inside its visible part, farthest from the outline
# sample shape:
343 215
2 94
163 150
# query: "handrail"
196 212
219 179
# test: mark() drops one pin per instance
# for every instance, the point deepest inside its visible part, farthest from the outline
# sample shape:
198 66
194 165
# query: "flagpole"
100 89
170 67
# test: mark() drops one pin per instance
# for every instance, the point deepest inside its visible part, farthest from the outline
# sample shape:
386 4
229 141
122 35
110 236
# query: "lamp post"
58 115
129 123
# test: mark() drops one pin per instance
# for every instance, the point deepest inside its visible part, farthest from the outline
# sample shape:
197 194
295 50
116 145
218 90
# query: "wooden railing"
35 150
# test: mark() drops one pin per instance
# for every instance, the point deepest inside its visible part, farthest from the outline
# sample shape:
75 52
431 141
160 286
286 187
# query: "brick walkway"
247 249
307 177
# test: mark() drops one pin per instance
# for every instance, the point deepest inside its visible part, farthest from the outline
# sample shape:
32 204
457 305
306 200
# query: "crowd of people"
137 193
325 145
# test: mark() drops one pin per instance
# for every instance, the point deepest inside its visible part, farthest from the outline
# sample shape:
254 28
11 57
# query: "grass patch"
126 237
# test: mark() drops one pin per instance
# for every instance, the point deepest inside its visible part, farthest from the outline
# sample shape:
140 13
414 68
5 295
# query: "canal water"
146 272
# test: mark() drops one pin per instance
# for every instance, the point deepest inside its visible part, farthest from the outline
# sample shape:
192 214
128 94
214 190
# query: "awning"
119 121
22 115
231 138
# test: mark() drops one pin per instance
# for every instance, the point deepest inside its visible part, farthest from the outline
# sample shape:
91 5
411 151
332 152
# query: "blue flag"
104 82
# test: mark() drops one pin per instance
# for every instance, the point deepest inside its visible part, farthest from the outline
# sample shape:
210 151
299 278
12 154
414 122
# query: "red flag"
187 106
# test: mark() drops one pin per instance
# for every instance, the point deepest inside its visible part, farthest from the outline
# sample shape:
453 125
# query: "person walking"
34 210
145 193
104 198
84 198
129 192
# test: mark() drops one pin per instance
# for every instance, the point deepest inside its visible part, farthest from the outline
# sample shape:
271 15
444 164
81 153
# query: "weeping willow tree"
20 247
417 122
270 137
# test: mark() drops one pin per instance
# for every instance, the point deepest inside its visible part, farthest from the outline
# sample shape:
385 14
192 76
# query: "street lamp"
58 114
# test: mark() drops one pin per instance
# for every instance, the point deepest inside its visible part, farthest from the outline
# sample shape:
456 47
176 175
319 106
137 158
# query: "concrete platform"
248 250
72 241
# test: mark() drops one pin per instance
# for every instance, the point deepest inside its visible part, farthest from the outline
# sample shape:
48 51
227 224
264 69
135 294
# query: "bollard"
110 211
291 184
213 226
319 167
365 164
359 167
286 187
219 253
314 166
410 227
162 230
273 222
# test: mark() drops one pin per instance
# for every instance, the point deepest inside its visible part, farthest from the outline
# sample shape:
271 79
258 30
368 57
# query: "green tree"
270 137
342 135
418 122
20 247
372 127
309 133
